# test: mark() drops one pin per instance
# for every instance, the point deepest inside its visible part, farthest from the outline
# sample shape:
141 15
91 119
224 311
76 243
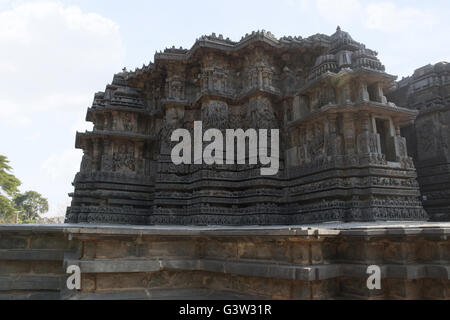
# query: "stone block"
109 249
10 241
324 289
220 249
47 267
165 249
404 289
54 242
301 290
277 251
88 282
29 282
399 252
15 267
300 252
121 281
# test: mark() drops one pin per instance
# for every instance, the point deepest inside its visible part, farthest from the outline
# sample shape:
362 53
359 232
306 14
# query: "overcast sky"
54 55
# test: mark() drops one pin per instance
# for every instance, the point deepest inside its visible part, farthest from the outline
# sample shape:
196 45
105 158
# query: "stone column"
332 145
107 157
363 92
115 120
260 79
399 142
96 153
363 136
379 93
349 133
345 94
139 156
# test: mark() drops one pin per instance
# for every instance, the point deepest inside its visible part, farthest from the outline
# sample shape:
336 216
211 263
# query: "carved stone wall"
151 262
342 156
428 139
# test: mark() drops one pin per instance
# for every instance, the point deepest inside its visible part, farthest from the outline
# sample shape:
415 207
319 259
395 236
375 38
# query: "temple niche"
428 138
342 154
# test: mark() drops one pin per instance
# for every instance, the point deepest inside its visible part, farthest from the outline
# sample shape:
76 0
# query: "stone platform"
320 261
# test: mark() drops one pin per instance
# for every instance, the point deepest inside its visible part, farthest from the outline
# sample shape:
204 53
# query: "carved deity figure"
215 115
260 114
123 159
173 120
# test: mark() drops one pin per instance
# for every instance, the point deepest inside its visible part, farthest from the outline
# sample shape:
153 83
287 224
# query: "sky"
54 55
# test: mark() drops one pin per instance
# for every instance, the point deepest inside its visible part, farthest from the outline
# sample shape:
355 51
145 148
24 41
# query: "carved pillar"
363 92
349 133
98 121
107 157
368 142
399 142
379 93
115 120
96 153
345 94
107 121
260 78
139 156
332 144
86 162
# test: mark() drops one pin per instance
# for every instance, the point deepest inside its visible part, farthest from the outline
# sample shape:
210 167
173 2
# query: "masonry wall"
203 263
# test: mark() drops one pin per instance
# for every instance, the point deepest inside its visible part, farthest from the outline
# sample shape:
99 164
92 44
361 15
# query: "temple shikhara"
350 144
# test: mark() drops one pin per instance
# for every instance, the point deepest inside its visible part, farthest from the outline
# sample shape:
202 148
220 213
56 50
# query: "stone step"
261 269
31 282
35 255
41 295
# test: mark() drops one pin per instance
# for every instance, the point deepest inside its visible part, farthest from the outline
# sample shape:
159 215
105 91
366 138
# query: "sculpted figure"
260 114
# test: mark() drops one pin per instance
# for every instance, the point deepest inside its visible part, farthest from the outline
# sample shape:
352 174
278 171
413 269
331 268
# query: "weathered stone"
342 157
303 265
428 139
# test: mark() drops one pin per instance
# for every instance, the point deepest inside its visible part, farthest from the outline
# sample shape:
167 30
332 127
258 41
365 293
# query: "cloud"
339 11
62 166
55 57
388 17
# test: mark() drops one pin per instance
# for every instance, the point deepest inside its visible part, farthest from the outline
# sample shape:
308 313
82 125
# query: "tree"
9 185
30 205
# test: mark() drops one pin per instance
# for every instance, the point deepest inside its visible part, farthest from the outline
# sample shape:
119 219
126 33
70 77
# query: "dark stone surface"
428 91
342 157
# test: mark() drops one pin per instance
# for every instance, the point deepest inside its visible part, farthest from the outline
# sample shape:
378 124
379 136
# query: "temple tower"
342 156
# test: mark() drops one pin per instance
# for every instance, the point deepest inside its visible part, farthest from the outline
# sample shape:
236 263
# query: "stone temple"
342 153
355 146
428 139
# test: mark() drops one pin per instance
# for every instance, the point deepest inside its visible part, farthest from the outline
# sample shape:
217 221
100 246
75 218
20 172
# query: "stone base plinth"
322 261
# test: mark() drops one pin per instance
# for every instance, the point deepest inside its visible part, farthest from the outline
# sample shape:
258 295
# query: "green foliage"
14 206
30 205
7 212
8 182
8 188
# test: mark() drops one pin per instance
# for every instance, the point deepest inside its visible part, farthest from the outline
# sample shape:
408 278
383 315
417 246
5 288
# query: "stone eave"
427 111
80 136
236 99
349 74
224 46
172 102
104 109
403 114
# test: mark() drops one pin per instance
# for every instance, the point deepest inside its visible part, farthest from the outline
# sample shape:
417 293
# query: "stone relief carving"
260 114
123 159
330 149
215 115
